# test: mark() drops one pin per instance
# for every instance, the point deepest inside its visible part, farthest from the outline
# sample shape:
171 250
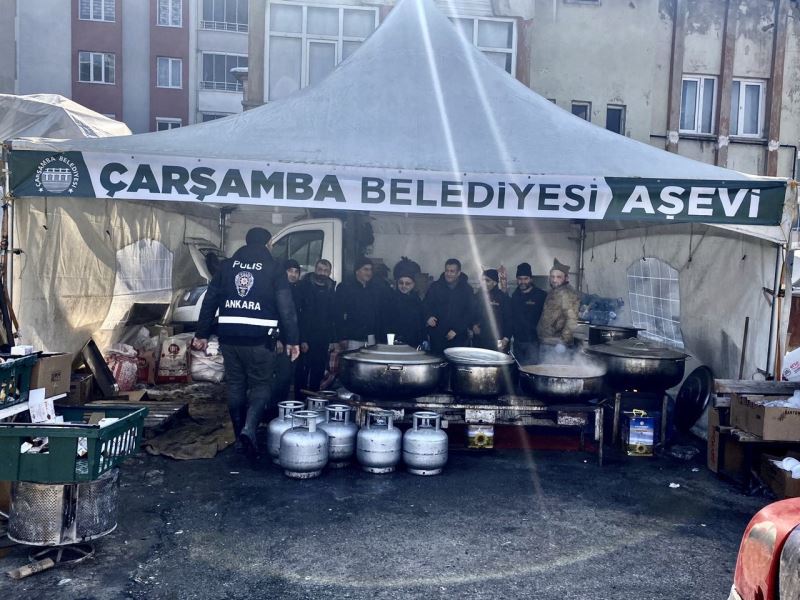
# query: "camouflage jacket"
559 316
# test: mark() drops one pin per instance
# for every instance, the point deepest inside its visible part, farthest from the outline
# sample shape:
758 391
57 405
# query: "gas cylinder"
318 404
379 443
425 444
304 448
280 424
341 435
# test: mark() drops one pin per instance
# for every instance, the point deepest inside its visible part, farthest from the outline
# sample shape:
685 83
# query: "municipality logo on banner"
57 175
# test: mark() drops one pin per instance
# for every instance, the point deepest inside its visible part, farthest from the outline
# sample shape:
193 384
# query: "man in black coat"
449 308
403 314
527 303
357 307
285 370
317 330
251 293
492 329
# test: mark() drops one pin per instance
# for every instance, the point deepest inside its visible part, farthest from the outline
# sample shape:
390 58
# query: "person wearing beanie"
559 320
449 309
492 328
527 303
403 314
251 293
285 369
357 307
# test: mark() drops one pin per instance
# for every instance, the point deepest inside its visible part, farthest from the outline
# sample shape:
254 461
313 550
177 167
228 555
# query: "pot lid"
637 348
384 354
477 356
565 371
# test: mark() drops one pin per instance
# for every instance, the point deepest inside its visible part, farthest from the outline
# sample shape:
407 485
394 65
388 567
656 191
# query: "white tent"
416 121
53 116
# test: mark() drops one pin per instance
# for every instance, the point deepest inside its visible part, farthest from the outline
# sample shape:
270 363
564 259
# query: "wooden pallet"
159 414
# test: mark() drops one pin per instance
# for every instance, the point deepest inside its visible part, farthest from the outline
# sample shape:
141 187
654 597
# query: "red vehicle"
768 566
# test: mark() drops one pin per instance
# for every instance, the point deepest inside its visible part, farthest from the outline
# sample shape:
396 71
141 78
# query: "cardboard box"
725 455
770 423
52 372
81 388
778 480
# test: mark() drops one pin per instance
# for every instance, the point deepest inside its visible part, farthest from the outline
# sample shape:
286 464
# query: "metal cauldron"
396 371
478 372
563 383
600 334
640 365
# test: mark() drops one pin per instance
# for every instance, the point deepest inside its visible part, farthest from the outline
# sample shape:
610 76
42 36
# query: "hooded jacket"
316 310
526 310
404 316
453 308
493 316
251 293
356 309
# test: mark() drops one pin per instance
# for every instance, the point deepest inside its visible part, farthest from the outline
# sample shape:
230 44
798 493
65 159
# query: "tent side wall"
721 283
64 282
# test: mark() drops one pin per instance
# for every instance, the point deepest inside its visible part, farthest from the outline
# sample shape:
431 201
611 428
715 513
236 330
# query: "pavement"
499 524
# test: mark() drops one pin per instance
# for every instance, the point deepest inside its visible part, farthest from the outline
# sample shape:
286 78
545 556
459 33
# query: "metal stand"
64 555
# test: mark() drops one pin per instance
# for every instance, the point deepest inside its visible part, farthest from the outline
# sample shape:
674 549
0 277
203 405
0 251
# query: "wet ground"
505 524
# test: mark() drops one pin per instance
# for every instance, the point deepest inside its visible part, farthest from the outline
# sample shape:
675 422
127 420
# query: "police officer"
251 293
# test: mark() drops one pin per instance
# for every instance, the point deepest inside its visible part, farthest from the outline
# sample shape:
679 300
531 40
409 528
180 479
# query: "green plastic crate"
15 379
107 446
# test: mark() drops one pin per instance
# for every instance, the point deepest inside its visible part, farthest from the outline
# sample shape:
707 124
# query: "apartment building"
710 79
155 64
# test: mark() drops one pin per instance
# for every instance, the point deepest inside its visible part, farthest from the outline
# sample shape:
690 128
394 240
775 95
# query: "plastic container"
106 447
15 379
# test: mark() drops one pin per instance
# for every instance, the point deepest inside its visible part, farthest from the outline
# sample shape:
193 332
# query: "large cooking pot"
397 371
563 383
479 372
640 365
600 334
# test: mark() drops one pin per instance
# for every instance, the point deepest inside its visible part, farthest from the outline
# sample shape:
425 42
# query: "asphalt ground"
499 524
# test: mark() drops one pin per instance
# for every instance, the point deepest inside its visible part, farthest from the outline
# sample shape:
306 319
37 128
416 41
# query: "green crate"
107 446
15 379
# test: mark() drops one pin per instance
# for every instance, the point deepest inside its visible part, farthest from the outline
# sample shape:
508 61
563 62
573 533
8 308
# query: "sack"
207 368
147 367
121 360
173 364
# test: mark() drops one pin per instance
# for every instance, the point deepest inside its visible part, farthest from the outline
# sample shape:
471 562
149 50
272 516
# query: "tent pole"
773 307
581 248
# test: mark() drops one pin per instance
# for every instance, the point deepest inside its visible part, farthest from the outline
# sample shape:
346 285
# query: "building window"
615 118
217 73
170 13
169 72
206 117
582 110
164 124
747 108
698 104
97 10
225 15
96 67
496 38
307 42
654 293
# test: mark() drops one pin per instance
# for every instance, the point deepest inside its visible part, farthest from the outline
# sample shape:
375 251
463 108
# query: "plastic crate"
107 446
15 379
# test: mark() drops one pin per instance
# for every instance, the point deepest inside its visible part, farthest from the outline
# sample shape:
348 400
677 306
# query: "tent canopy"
416 120
53 116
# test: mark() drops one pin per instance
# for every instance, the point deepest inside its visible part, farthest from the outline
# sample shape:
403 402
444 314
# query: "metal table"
508 410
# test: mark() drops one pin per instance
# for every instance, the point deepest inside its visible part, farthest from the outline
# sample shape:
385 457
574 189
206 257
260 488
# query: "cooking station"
504 410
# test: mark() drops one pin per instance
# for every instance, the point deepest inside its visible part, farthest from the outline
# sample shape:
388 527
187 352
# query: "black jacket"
453 307
404 316
357 309
526 309
493 315
316 310
251 293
